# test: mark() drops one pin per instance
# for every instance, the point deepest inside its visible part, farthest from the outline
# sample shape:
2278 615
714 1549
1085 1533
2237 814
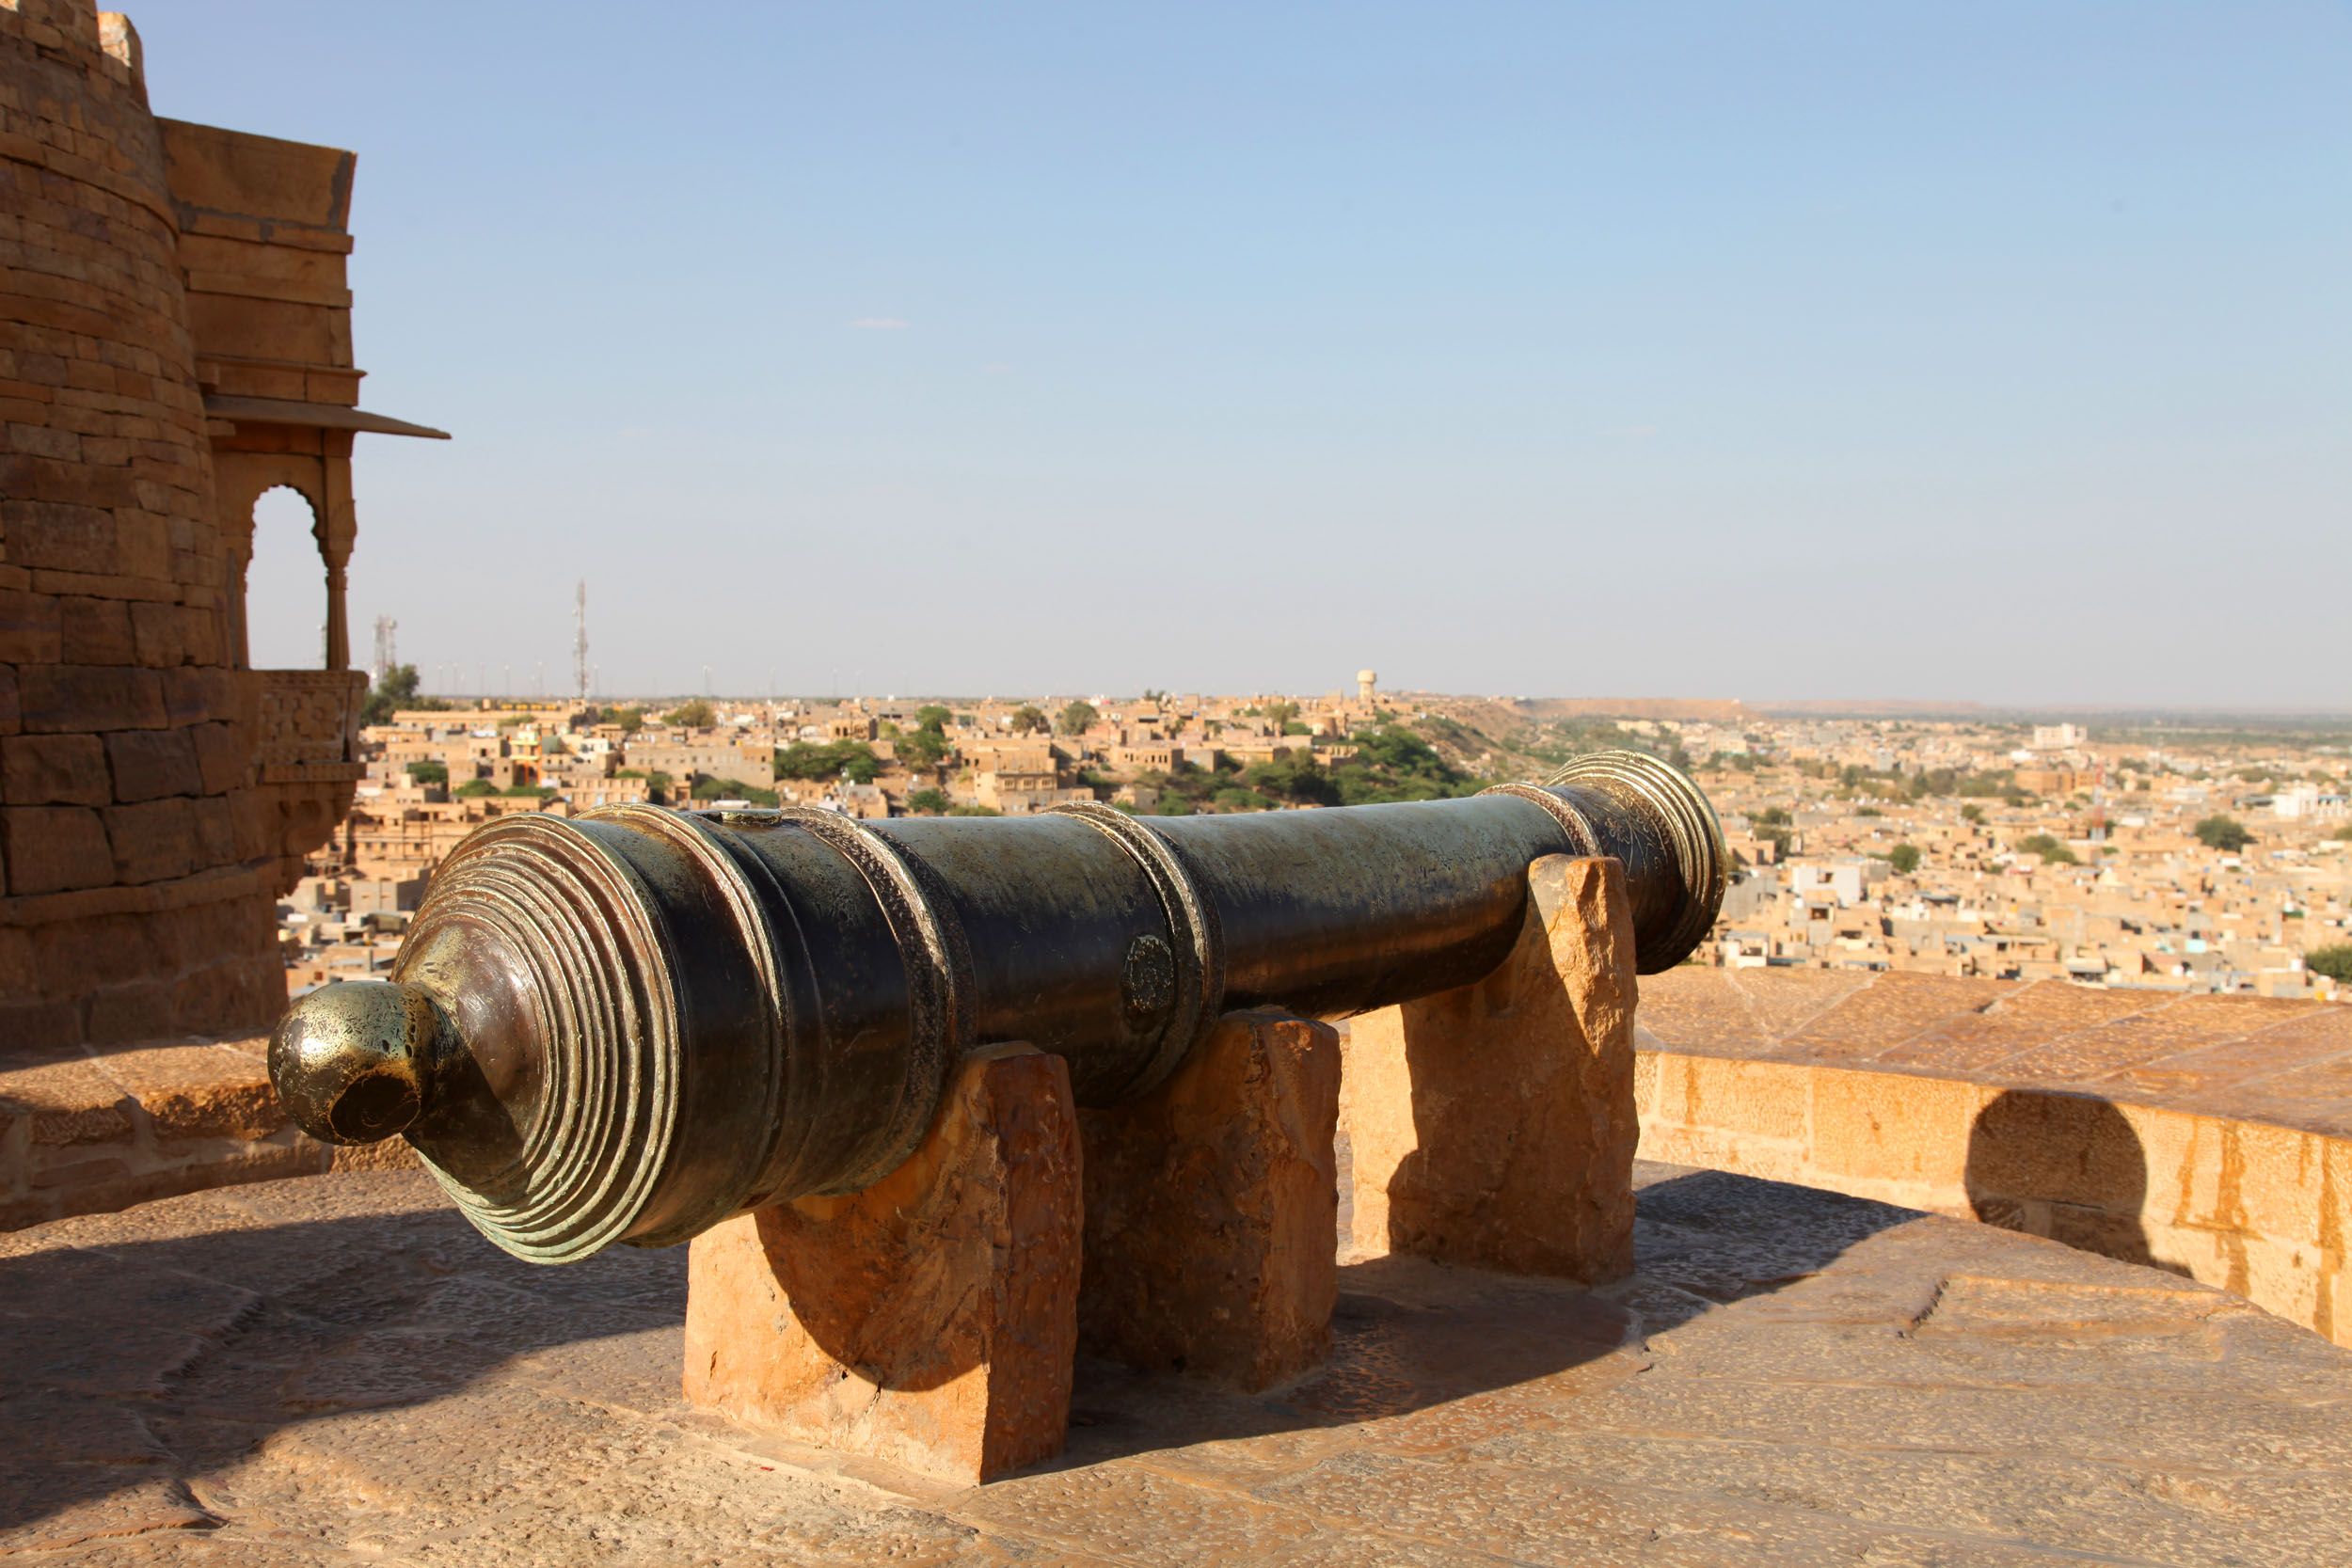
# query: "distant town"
2159 857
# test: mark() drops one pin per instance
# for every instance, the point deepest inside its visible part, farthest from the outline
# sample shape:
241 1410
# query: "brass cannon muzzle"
629 1025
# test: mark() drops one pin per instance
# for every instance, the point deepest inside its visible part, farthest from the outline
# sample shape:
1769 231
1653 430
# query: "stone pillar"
929 1319
337 655
1212 1208
339 531
1494 1125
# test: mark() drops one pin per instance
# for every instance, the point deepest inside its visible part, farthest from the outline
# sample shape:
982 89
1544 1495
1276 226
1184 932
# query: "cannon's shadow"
1412 1336
2068 1166
130 1369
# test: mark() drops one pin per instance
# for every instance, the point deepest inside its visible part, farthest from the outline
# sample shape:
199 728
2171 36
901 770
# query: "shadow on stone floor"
1411 1336
135 1366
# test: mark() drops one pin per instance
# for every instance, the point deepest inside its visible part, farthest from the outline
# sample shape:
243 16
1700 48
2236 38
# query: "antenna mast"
387 646
579 641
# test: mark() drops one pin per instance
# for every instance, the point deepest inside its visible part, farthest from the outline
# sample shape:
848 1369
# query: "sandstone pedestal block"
1211 1210
1494 1125
929 1319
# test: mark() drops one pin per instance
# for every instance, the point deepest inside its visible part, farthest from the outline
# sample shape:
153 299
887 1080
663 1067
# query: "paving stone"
338 1371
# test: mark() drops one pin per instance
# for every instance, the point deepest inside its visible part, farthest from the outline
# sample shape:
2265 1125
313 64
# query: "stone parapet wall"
100 1131
2204 1135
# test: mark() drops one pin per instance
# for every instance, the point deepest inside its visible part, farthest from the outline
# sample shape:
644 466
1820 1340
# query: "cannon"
629 1025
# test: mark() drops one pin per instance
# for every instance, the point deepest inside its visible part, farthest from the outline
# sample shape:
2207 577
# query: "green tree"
2050 850
712 788
1904 858
1972 814
1393 763
922 747
396 690
927 803
429 774
1295 776
931 717
631 720
1028 719
472 787
833 760
1280 714
1077 718
2334 963
2225 833
696 715
523 791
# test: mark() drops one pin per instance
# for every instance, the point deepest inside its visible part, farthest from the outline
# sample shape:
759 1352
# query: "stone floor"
336 1369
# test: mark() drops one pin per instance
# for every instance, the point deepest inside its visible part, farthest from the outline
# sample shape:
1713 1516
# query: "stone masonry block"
45 532
237 994
19 970
11 701
149 763
94 632
62 698
931 1319
159 634
54 848
198 1091
40 1029
1885 1127
1494 1125
197 696
2245 1176
215 820
31 630
77 956
2062 1148
152 841
220 760
1212 1206
127 1014
54 770
1764 1099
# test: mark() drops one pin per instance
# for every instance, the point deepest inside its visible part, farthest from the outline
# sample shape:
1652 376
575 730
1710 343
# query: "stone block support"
1494 1125
929 1319
1211 1210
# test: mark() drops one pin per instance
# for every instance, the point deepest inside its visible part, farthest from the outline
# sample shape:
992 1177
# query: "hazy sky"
1963 351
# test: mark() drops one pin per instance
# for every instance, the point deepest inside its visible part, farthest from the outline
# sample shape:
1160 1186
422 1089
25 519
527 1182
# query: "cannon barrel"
629 1025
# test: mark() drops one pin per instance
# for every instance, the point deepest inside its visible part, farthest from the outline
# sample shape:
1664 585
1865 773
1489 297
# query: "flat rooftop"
337 1369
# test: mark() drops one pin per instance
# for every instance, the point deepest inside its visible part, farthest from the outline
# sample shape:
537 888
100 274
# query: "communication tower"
387 647
580 642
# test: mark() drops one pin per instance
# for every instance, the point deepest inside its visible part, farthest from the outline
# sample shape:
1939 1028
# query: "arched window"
285 587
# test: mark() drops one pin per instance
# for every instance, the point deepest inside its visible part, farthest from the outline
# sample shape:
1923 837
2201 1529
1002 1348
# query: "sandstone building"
175 339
